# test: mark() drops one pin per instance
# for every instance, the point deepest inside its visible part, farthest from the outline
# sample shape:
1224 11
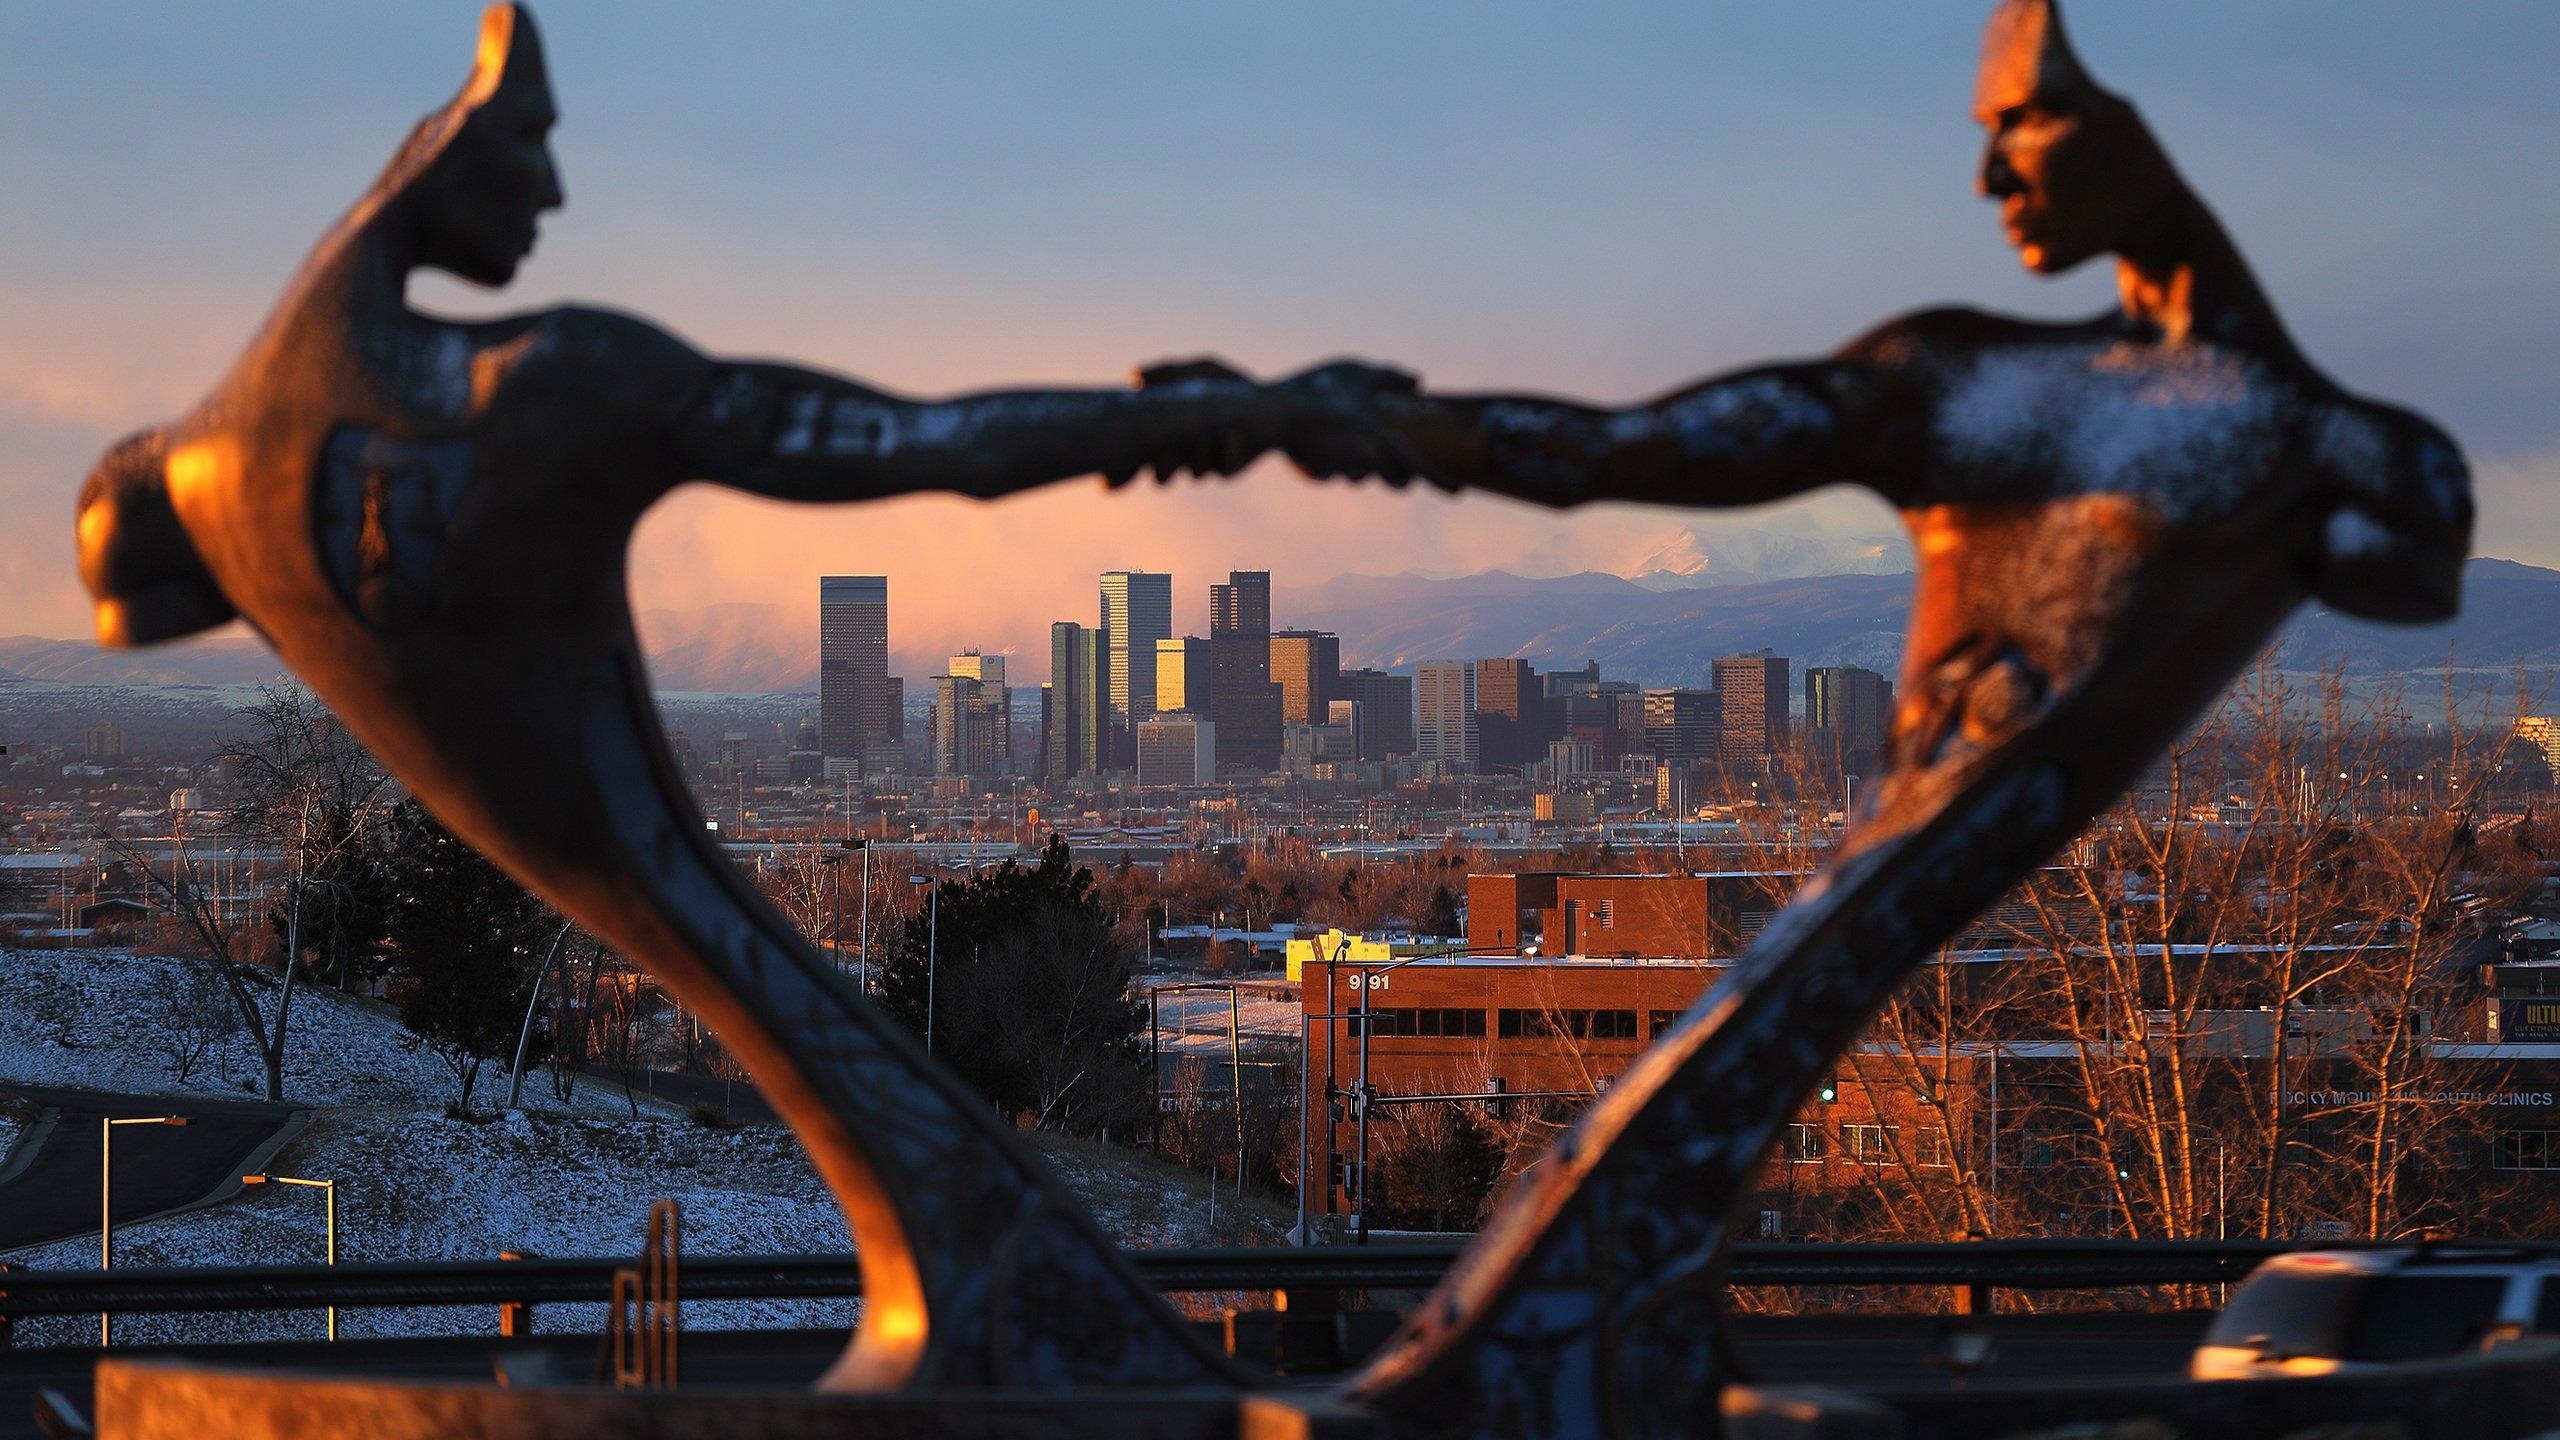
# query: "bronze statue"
2110 519
428 520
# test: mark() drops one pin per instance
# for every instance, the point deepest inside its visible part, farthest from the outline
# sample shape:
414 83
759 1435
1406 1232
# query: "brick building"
1681 917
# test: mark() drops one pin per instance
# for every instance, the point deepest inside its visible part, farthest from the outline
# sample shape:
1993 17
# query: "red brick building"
1703 916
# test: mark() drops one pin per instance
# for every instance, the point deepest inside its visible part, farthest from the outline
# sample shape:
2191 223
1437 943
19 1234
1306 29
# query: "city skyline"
981 253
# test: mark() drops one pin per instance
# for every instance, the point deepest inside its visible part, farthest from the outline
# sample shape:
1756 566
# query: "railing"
1979 1266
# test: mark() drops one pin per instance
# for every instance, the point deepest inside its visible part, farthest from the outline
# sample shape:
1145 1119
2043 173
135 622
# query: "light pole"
524 1036
106 1216
845 848
329 1196
932 948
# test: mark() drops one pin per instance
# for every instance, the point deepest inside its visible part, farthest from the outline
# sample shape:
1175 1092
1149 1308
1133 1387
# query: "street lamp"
844 848
932 948
329 1196
106 1217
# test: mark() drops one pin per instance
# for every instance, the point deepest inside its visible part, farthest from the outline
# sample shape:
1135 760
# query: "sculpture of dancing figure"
2110 518
428 519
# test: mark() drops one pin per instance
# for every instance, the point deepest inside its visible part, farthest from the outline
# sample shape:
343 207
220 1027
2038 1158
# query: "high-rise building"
996 699
1182 675
1753 689
1242 700
1445 730
1137 611
966 722
1386 711
1177 750
1346 724
855 708
1241 606
1306 665
1511 712
1079 703
1847 711
1681 724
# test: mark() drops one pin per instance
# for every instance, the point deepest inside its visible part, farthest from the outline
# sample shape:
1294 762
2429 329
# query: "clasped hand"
1328 419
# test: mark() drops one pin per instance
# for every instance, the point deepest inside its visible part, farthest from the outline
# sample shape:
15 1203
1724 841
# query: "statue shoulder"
616 343
1924 337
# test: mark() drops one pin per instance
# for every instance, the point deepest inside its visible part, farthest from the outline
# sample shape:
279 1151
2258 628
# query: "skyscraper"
1137 611
1510 713
1445 715
1306 664
1079 702
1754 694
854 703
1243 702
1846 711
965 724
1182 675
1386 711
995 698
1682 725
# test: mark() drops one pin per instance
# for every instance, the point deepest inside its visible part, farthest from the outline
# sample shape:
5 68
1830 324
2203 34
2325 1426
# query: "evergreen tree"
464 942
1442 917
1029 999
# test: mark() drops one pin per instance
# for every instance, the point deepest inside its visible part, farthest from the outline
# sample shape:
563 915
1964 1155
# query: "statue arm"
1738 439
798 434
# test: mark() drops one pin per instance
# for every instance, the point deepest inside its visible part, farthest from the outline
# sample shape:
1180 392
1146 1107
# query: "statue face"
481 202
2071 181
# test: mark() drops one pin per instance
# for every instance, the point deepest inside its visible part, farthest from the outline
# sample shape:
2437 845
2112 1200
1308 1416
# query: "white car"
2321 1312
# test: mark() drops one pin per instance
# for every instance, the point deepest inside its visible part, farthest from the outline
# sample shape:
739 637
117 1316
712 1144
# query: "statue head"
474 178
143 573
2075 169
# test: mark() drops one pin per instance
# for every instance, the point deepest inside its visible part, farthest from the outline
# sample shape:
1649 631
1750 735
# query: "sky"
1599 199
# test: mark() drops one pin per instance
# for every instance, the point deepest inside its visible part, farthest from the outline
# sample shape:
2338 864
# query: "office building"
1079 704
1386 711
1445 732
1307 666
1511 714
856 710
967 722
1243 701
1182 675
1137 612
1681 724
996 699
1177 750
1347 725
1753 689
1847 712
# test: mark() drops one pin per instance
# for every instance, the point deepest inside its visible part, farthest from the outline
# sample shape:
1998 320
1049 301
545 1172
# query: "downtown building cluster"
1131 703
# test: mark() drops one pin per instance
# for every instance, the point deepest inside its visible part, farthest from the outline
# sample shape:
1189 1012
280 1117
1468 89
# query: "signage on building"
2524 1017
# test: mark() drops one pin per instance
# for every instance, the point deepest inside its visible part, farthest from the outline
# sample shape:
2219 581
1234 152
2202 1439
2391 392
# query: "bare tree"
187 1016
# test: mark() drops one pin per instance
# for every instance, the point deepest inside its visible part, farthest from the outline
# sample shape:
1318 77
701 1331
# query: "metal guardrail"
1989 1265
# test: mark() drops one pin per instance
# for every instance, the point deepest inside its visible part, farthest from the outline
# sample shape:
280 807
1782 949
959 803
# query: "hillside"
414 1183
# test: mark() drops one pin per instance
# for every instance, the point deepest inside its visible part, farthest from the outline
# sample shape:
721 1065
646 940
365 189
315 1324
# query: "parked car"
2321 1312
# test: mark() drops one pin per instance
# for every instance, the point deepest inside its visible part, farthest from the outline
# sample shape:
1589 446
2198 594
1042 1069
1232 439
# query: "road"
157 1168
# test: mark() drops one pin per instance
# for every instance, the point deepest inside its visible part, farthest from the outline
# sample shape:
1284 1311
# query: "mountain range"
1664 627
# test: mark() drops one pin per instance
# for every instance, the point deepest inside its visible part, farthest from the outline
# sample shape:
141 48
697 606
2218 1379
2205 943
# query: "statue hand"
1337 425
1213 448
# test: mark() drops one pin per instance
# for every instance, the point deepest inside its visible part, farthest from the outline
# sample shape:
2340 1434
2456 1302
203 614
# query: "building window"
1429 1022
1663 1020
1568 1024
1929 1147
2526 1150
1868 1144
1607 913
1804 1144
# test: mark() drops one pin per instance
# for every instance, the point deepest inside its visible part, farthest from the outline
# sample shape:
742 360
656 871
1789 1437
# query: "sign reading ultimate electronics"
2521 1017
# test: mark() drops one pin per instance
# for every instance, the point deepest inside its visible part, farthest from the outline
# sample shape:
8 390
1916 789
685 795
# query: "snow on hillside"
415 1184
97 1018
